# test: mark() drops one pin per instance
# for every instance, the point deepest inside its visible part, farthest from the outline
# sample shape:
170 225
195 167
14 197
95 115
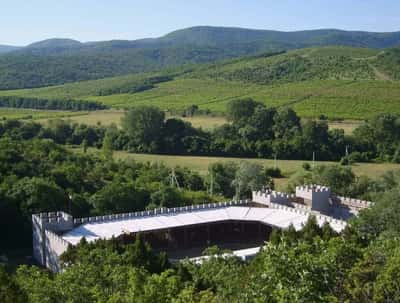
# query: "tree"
107 147
263 121
220 178
61 131
387 286
286 123
36 195
166 196
117 197
240 110
337 177
315 139
144 125
249 176
9 290
174 133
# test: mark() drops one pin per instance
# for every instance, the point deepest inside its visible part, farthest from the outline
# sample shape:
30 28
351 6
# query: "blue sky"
23 22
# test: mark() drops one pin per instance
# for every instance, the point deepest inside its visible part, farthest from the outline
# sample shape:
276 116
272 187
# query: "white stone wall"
55 247
268 197
47 245
317 194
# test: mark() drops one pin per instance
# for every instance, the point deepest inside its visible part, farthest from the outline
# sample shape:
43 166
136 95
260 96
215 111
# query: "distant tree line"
257 131
136 87
253 131
49 104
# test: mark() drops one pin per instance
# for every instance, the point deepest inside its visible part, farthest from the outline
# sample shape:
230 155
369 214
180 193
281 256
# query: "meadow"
108 117
40 115
288 167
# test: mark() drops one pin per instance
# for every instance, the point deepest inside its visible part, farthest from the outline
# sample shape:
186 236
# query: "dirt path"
380 75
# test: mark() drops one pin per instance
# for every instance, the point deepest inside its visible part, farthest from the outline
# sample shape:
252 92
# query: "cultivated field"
327 85
336 99
31 114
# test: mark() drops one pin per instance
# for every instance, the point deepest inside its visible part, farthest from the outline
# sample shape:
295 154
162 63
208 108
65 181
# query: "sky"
23 21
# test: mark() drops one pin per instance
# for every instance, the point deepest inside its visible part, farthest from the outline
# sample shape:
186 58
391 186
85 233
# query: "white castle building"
176 229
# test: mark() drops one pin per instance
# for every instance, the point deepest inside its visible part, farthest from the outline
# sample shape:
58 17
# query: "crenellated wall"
268 197
55 247
355 203
47 244
315 198
157 211
304 210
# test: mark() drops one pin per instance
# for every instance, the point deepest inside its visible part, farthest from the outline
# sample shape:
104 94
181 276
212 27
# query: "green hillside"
339 63
338 82
60 61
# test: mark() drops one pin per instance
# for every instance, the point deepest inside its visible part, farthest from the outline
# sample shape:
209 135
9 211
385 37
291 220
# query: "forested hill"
217 36
7 48
58 61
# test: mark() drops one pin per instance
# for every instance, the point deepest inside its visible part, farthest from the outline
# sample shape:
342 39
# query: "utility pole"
275 160
70 204
313 159
174 181
238 190
211 184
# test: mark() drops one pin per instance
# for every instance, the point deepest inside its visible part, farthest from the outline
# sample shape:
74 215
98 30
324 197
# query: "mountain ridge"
192 29
58 61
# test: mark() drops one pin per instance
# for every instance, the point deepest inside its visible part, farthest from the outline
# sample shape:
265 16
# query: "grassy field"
107 117
101 117
30 114
288 167
77 90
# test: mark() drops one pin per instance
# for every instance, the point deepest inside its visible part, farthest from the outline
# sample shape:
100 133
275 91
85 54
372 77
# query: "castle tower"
316 196
43 225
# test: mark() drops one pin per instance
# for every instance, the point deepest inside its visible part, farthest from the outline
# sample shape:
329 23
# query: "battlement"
317 196
268 197
354 203
304 210
54 221
53 237
312 188
157 211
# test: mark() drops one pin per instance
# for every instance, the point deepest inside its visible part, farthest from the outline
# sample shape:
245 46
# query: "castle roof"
280 217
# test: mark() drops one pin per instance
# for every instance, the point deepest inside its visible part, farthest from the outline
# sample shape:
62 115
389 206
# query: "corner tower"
315 196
